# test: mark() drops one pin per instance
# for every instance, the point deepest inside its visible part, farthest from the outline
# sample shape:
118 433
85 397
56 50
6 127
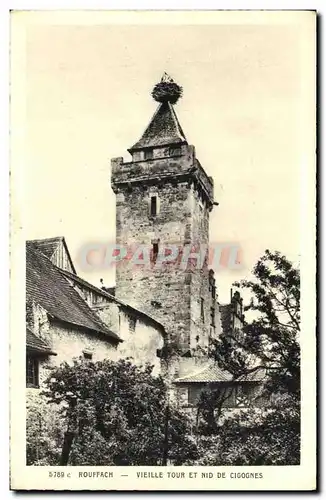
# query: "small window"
148 154
202 312
155 252
32 371
132 324
194 394
88 355
153 205
183 396
243 396
212 316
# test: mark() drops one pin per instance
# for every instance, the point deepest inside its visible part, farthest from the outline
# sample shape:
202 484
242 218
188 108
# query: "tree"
210 408
116 414
43 431
271 338
270 435
256 436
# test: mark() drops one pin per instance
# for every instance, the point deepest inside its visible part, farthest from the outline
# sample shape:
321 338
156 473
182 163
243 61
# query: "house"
67 317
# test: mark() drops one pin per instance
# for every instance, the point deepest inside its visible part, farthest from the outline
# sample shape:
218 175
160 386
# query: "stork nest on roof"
167 92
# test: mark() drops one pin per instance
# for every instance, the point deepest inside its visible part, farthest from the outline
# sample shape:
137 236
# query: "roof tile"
163 129
213 373
37 344
46 286
208 373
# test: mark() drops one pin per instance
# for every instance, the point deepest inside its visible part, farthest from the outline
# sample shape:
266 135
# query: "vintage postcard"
163 250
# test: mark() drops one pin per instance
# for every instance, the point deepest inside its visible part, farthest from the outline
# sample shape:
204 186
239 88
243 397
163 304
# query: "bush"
256 437
44 432
116 413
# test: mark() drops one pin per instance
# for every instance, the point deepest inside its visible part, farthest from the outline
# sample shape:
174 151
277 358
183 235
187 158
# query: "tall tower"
164 197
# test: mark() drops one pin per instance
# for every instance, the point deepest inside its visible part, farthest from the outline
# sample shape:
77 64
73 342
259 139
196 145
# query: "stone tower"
164 197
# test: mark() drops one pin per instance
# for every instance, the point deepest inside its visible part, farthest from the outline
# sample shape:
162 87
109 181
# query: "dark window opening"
156 304
153 205
32 371
155 251
88 355
243 396
193 395
132 324
148 154
212 316
202 313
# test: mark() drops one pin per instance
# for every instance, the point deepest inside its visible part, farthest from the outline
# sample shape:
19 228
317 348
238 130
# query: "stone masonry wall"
163 293
170 294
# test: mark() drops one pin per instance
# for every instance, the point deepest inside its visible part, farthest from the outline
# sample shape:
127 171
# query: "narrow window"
148 154
202 314
183 396
242 398
32 371
88 355
212 316
132 324
155 251
153 205
193 395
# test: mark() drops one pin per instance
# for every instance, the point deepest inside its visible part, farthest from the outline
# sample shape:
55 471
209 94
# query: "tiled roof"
255 376
109 289
85 283
37 344
48 246
208 373
212 373
105 293
46 286
163 129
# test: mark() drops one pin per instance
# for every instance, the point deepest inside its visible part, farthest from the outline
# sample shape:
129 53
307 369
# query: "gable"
56 250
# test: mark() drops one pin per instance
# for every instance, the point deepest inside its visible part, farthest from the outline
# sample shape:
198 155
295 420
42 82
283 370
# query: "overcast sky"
88 99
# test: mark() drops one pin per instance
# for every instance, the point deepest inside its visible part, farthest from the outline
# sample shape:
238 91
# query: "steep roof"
104 293
36 344
212 373
48 247
46 286
256 375
208 373
163 129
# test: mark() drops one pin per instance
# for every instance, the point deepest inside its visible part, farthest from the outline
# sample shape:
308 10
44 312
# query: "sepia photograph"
163 232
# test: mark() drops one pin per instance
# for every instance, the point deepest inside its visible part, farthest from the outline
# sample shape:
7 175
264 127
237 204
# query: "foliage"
210 409
270 435
118 414
272 337
43 431
256 437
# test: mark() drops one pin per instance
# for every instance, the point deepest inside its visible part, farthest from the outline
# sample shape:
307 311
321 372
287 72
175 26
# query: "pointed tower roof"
164 128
